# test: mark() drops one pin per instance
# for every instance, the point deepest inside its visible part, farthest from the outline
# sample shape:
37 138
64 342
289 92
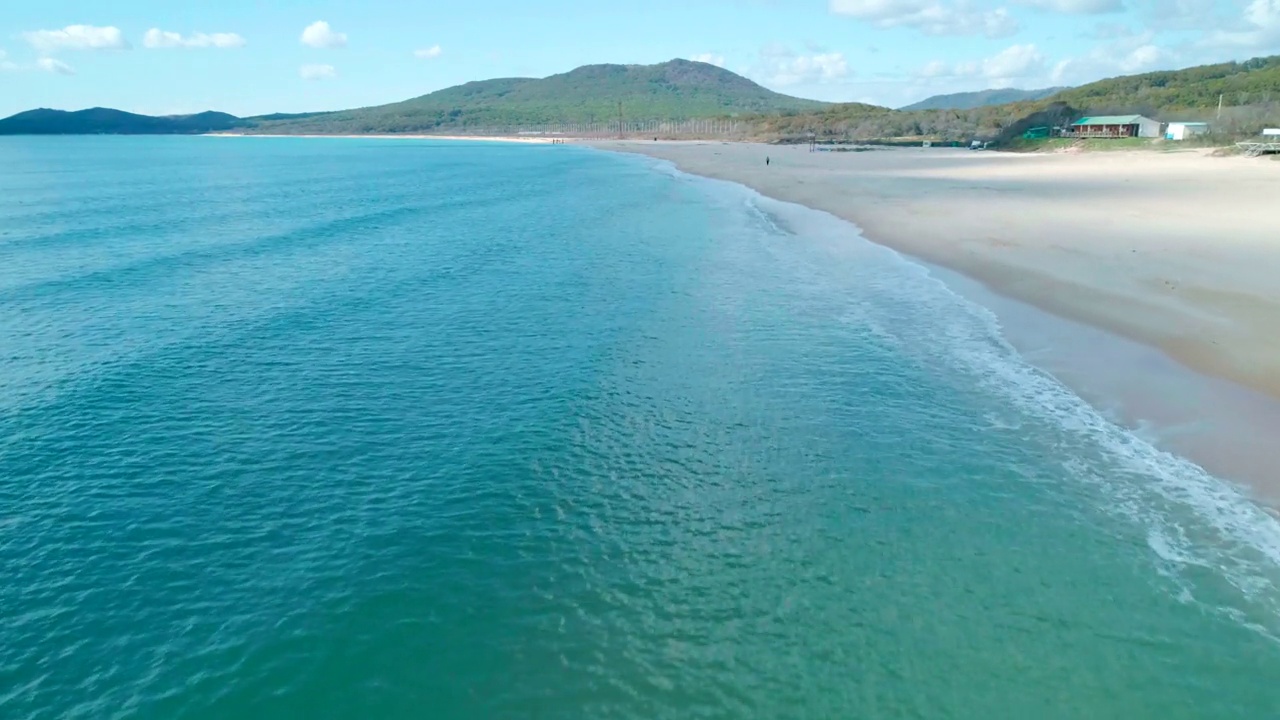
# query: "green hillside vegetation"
857 122
981 98
1250 93
682 90
1252 82
672 91
117 122
257 119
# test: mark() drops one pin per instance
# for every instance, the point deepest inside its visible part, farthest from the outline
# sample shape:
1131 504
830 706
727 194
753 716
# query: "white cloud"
53 65
1124 56
876 10
157 38
1142 58
1184 15
779 66
319 35
1015 61
1076 7
1258 31
936 69
1007 67
931 17
998 23
45 64
77 37
430 53
317 72
709 58
1263 13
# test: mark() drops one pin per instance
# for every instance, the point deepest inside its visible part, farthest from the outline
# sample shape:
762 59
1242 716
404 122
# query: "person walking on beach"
766 161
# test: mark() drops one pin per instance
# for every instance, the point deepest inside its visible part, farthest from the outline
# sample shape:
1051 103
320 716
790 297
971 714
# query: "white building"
1184 130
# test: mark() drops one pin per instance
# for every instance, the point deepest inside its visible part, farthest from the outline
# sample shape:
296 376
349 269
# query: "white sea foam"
1192 520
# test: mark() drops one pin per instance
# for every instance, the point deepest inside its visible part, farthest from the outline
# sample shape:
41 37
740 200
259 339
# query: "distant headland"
684 98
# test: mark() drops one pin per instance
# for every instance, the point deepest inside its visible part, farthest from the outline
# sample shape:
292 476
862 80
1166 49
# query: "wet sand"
1227 428
1148 282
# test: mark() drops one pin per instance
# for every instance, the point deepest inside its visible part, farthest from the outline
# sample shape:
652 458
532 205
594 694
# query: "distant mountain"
981 98
116 122
1249 92
681 89
675 90
285 116
671 91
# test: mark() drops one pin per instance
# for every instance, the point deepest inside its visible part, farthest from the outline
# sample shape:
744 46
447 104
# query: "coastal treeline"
982 98
1236 98
663 100
684 99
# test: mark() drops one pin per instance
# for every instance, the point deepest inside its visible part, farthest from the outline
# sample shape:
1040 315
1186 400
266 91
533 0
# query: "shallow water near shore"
1224 427
350 428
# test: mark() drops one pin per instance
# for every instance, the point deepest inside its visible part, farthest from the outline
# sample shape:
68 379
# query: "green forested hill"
675 90
1250 93
115 122
980 98
1252 82
685 90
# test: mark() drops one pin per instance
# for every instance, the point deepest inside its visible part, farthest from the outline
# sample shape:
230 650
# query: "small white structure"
1270 144
1184 130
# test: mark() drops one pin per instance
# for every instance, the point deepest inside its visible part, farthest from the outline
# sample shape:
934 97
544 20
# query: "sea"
368 428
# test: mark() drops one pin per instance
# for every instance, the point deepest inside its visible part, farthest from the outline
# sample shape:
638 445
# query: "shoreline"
539 140
1222 426
1131 361
1181 390
1187 317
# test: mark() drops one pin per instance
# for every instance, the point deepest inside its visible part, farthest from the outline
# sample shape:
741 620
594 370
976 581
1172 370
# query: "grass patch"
1091 144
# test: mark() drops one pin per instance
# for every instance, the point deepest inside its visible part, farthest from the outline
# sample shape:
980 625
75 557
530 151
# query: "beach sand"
1178 251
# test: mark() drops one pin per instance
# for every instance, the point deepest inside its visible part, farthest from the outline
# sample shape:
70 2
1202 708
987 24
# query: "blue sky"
254 56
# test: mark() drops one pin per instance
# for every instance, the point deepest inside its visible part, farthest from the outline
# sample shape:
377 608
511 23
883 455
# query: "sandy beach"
1177 251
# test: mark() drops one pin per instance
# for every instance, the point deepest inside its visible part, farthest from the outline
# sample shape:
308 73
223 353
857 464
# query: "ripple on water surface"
371 429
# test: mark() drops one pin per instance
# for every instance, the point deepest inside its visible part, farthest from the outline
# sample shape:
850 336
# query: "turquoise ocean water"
367 429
